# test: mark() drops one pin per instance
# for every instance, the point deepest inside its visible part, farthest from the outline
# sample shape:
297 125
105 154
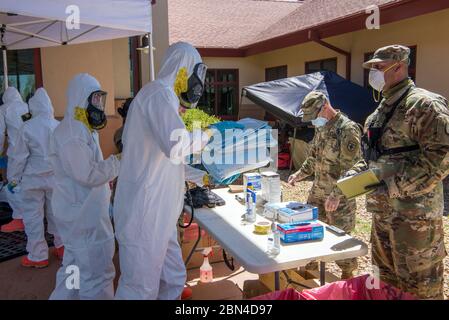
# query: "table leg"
277 285
322 273
194 247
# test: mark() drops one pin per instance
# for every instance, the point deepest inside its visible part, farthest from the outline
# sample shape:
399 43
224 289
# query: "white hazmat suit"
81 197
10 122
29 163
150 189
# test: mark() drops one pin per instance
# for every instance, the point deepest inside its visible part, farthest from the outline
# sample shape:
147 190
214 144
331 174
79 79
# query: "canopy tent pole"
291 151
240 105
5 58
5 68
151 55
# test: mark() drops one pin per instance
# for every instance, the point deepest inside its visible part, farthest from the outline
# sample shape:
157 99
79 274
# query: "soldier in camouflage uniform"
406 143
334 150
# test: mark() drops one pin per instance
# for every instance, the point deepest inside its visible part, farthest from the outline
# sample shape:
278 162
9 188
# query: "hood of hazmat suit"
149 195
30 152
29 163
10 122
11 117
81 197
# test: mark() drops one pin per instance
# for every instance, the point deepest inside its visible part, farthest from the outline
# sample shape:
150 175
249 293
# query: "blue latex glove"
3 162
12 187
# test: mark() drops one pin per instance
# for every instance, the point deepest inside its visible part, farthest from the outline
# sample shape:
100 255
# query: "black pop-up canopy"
283 98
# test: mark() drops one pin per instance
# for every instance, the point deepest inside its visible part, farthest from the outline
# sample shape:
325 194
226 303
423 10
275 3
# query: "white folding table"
227 226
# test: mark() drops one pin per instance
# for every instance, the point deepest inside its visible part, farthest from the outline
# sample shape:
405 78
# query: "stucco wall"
105 60
60 64
121 68
429 32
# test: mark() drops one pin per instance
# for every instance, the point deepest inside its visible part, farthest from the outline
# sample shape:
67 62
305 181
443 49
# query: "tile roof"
224 23
315 12
240 23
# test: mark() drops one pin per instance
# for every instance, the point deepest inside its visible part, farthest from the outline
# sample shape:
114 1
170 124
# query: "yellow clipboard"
355 186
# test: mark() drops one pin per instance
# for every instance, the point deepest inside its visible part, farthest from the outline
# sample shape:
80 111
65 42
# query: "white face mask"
377 79
319 122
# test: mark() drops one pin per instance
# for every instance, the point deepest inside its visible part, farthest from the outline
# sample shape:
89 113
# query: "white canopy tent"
26 24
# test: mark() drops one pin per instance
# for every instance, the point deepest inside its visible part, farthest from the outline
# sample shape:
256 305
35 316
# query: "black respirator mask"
26 116
195 87
95 109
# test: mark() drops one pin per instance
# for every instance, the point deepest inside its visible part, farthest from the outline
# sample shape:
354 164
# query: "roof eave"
389 13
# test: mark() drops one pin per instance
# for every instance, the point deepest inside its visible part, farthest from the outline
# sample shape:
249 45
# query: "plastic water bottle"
273 241
206 274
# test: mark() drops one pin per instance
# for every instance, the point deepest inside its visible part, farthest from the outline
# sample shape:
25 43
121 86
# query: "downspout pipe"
314 36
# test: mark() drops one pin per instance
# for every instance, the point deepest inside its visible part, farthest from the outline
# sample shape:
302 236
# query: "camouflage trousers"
408 245
344 218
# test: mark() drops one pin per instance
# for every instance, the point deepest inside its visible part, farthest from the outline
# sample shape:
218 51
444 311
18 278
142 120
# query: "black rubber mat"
13 245
5 213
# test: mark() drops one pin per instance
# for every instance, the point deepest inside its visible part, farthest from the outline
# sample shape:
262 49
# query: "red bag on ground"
352 289
356 289
289 294
283 160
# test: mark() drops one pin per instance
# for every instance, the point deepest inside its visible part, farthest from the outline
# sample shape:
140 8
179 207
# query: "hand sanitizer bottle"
206 274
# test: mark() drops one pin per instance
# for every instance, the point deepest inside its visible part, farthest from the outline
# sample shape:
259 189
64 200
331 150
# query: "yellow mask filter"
81 116
181 81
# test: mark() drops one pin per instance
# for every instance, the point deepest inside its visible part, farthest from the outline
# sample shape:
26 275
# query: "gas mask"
95 110
26 116
195 87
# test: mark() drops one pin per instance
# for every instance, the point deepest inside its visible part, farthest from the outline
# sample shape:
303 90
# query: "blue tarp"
283 97
244 148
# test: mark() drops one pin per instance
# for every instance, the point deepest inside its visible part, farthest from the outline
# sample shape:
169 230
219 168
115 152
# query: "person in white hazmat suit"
150 189
10 123
81 195
29 165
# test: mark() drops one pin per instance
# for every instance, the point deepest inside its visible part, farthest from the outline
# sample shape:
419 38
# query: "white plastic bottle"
273 241
251 206
206 274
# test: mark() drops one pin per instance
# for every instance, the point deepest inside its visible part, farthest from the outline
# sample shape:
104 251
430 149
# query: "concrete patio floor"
17 282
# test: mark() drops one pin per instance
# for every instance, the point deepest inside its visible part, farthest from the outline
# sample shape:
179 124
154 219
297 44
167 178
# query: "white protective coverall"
29 163
10 122
81 197
150 189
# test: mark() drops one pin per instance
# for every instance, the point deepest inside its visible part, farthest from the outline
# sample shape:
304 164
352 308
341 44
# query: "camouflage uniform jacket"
335 148
422 118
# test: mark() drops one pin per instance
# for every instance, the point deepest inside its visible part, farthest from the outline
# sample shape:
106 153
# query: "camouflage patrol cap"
312 105
389 53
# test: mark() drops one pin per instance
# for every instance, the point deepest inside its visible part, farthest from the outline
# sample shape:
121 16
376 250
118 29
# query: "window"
411 69
220 95
24 71
134 66
272 74
322 65
275 73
